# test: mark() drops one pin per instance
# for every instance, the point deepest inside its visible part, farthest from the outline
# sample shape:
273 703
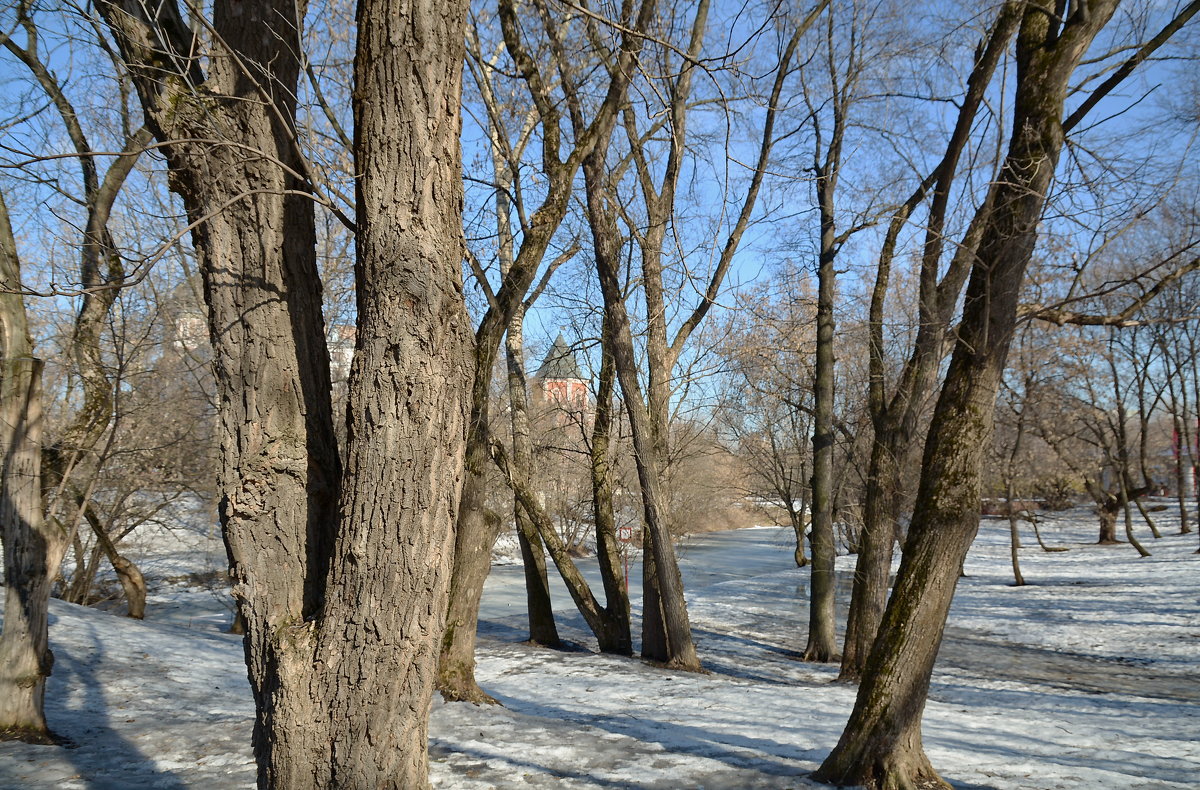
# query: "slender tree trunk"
676 649
874 565
475 529
542 629
822 636
822 617
616 595
133 583
1181 492
605 627
472 561
1125 495
881 745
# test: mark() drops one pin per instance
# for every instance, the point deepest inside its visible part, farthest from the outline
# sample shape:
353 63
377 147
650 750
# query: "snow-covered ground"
1085 678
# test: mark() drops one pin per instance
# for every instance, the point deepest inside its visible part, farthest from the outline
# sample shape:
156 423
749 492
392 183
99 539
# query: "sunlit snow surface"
1085 678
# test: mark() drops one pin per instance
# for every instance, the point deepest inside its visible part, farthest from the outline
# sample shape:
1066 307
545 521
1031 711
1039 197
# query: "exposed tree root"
900 770
33 735
473 694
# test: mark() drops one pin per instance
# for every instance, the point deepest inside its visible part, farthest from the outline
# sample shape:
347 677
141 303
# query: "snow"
1085 678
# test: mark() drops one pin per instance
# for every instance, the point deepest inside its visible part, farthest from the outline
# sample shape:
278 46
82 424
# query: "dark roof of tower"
560 362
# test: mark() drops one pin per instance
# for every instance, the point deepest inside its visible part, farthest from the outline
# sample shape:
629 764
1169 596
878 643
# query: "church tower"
558 382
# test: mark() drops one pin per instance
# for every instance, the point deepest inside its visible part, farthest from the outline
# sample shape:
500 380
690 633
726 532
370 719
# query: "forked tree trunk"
341 654
674 647
604 625
475 530
895 420
881 744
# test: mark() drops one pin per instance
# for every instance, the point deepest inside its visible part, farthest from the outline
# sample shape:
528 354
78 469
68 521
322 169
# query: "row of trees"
621 165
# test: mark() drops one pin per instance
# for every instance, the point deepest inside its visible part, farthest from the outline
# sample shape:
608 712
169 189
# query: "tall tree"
344 602
666 633
895 417
881 744
477 525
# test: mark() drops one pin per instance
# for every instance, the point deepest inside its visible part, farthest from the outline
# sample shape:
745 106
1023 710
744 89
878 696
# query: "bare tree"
881 745
478 526
344 601
895 417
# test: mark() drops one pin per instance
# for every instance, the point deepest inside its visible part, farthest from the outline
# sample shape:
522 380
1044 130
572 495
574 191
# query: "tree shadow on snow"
85 717
766 756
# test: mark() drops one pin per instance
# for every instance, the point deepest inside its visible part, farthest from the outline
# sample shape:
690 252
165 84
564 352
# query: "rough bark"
343 614
228 137
408 407
881 745
33 547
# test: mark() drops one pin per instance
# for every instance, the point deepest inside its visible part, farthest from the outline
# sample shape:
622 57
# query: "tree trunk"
675 648
385 609
1181 492
474 535
895 421
542 629
33 547
616 594
605 627
340 654
1108 522
874 564
254 237
822 618
822 614
796 518
133 583
881 745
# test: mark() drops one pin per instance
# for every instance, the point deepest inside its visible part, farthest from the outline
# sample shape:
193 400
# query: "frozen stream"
719 557
704 559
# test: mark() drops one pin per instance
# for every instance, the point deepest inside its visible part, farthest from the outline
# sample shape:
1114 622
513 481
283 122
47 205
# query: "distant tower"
558 381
